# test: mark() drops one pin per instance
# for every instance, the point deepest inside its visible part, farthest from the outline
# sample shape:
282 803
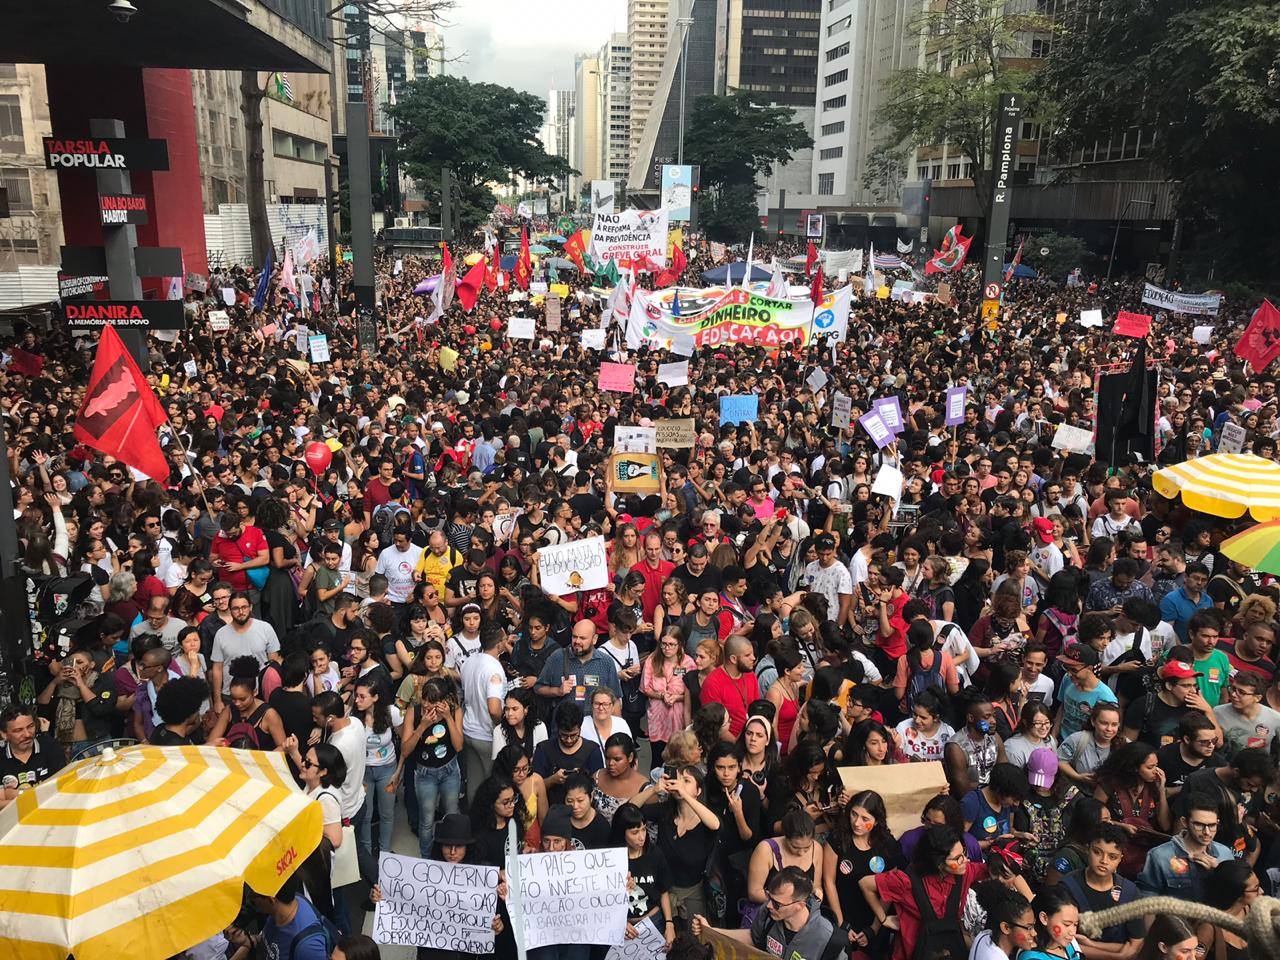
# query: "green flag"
609 272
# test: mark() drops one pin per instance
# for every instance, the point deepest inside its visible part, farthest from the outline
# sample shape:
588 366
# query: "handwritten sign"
593 339
190 369
816 380
674 374
1072 439
219 321
570 567
521 328
618 377
635 439
1132 324
727 948
675 433
537 288
841 411
553 313
890 410
740 408
879 431
1232 440
956 397
648 944
442 906
579 896
319 347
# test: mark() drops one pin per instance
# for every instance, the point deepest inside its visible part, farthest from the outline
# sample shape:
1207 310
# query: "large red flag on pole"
810 258
1260 343
120 413
469 286
524 262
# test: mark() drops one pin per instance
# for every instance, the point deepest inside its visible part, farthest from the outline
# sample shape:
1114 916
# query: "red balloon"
495 324
469 330
318 456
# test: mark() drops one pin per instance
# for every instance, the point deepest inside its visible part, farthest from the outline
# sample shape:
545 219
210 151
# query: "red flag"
673 273
951 255
1260 343
28 364
574 248
491 272
815 291
468 289
1132 324
120 413
523 272
810 258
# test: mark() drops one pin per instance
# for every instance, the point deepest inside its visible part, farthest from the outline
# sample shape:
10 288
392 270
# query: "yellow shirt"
435 569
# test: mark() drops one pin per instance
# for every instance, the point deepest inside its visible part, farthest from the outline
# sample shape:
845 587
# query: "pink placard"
618 377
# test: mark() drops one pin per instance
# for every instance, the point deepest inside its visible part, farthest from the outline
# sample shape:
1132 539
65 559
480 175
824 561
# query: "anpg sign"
105 153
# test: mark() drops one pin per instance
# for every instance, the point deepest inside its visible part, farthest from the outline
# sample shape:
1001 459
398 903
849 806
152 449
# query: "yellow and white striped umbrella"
1224 485
142 853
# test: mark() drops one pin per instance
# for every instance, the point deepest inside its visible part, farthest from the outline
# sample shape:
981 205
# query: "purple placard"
955 405
890 410
879 431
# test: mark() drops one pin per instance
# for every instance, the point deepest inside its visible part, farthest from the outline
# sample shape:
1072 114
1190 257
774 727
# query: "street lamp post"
684 23
1116 239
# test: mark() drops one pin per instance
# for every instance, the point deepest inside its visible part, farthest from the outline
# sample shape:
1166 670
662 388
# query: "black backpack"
940 938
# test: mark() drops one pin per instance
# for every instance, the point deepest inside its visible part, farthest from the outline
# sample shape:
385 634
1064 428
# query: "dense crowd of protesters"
1095 679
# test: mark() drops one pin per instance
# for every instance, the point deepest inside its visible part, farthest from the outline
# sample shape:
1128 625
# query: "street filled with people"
345 565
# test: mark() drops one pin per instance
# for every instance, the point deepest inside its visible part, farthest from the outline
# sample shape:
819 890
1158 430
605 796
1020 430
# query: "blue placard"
743 408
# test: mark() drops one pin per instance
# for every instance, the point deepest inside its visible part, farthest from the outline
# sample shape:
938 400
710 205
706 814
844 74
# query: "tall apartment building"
647 31
588 114
558 134
862 43
615 68
380 60
32 234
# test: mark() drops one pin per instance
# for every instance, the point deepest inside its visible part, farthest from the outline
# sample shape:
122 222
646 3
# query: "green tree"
975 52
1065 254
735 140
883 176
1201 80
484 132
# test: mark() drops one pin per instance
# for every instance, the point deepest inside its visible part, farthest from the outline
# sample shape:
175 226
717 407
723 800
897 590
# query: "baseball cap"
1042 767
558 822
1081 655
332 525
1043 527
1178 670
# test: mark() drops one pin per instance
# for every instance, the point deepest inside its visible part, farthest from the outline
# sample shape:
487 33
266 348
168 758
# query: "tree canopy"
484 132
1201 79
735 139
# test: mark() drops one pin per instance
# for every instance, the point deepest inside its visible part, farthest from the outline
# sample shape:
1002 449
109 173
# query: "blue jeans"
438 789
375 782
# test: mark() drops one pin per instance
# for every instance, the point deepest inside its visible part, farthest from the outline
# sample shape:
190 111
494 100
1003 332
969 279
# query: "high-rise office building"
615 68
587 122
647 38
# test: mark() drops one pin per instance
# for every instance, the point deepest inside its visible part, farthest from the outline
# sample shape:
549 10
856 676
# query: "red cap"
1178 670
1043 527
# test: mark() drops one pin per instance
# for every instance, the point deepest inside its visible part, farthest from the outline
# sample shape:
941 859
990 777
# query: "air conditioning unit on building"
403 222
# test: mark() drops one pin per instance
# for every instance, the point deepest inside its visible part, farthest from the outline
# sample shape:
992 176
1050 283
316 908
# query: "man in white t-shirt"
397 563
484 685
1046 556
349 736
829 577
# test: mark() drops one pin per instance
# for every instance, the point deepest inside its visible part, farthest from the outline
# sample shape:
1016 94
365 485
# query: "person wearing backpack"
294 929
924 666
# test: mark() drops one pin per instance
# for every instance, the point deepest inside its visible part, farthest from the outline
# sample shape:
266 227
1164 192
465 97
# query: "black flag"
1126 413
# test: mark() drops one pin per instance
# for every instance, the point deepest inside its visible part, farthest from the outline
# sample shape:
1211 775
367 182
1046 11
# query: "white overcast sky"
528 44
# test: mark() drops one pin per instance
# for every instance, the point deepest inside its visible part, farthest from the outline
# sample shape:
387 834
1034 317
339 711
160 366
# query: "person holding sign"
791 924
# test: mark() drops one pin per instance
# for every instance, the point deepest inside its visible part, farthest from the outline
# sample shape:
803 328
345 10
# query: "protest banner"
1232 440
1175 301
816 380
727 948
618 377
229 296
441 906
675 433
848 260
197 282
744 408
890 410
593 339
674 374
635 439
319 347
538 288
1072 439
841 411
722 316
956 397
905 789
635 472
1090 318
630 235
578 565
219 321
677 191
553 313
1132 324
647 945
875 426
579 896
1202 334
521 328
190 369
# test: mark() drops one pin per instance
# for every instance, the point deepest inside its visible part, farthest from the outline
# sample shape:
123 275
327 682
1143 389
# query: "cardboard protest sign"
219 321
1090 318
579 896
904 787
521 328
674 374
553 313
569 567
841 411
1072 439
618 377
442 906
635 439
744 408
1132 324
635 472
1232 440
675 433
648 944
727 948
319 346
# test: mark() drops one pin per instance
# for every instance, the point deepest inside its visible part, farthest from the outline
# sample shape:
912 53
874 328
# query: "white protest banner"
648 944
816 380
229 296
630 235
1072 439
553 313
888 482
442 906
1202 334
319 346
1232 438
674 374
635 439
593 339
570 567
841 411
675 433
521 328
300 336
1175 301
849 261
190 369
1090 318
579 896
538 288
219 322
